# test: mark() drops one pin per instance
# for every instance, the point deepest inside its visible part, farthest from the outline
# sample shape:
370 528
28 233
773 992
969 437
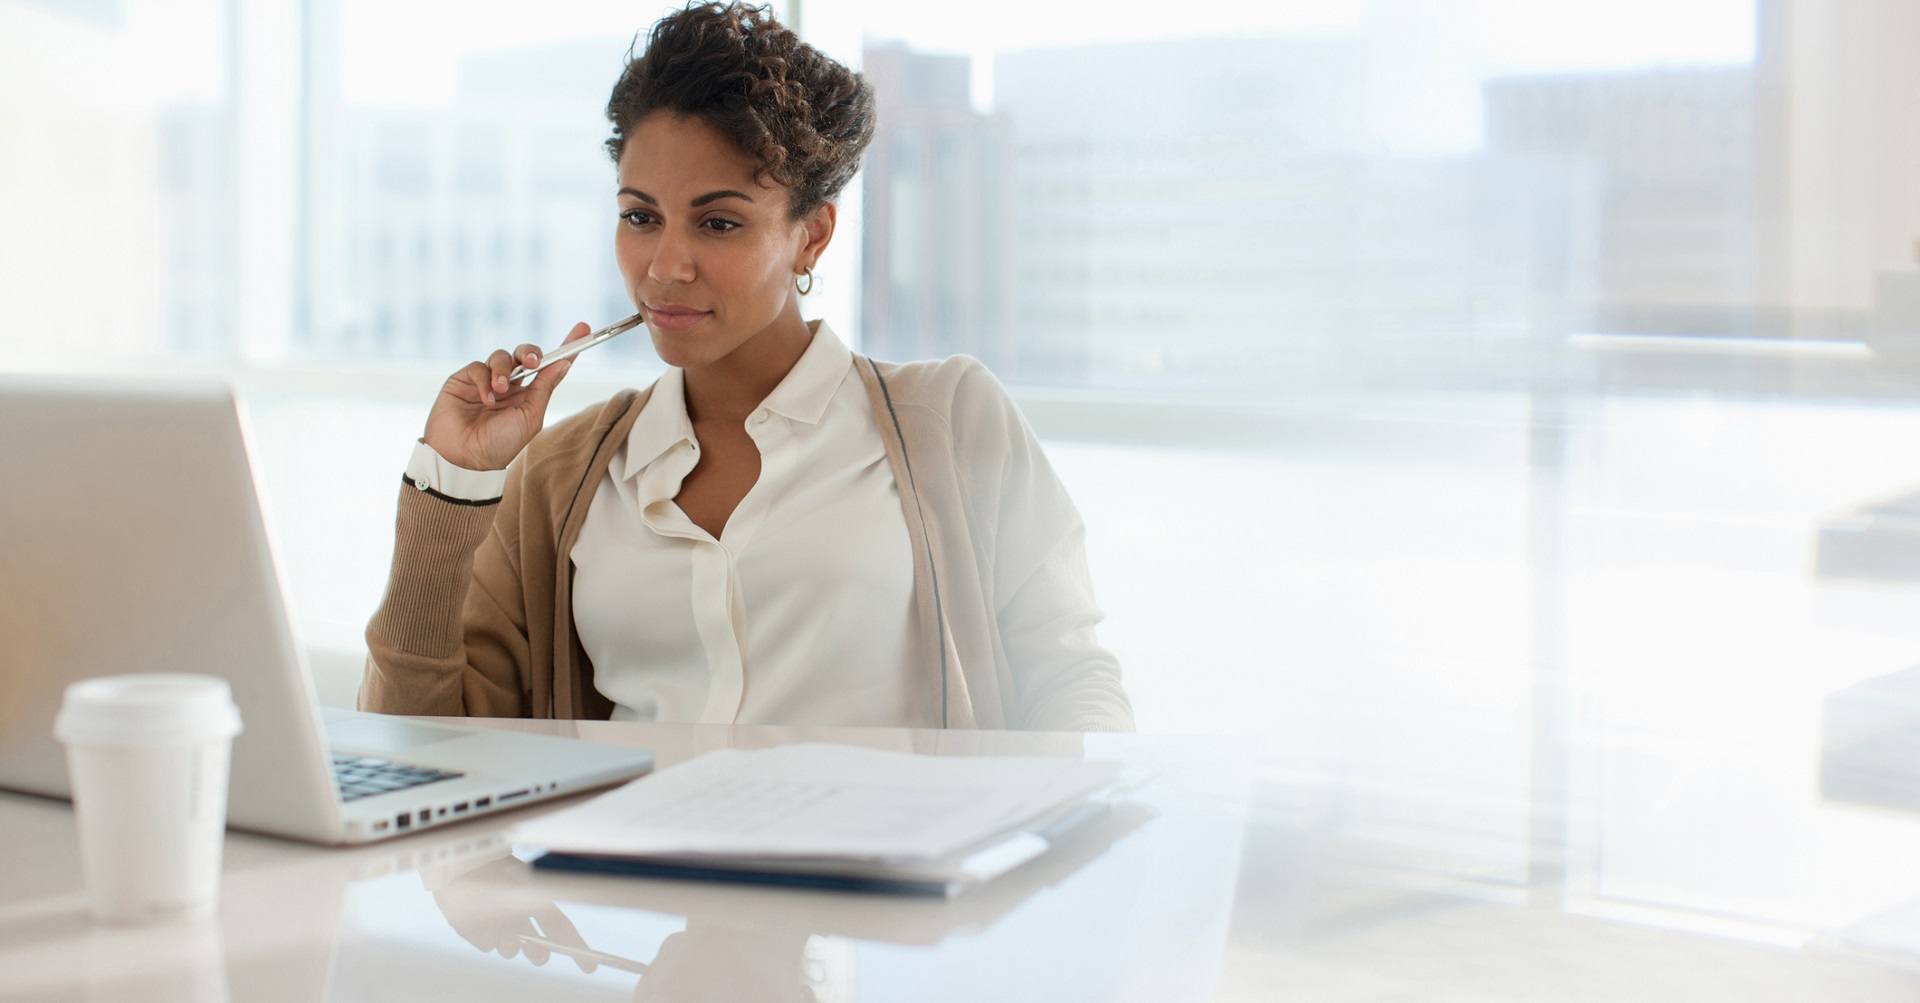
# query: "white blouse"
798 614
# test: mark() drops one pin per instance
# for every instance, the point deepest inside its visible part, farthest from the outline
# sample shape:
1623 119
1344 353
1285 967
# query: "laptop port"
483 802
402 821
380 826
424 814
510 795
459 807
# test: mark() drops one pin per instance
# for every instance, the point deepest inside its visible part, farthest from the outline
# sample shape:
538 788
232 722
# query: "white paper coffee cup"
147 762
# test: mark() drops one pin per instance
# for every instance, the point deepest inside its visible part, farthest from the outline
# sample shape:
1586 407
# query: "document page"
820 802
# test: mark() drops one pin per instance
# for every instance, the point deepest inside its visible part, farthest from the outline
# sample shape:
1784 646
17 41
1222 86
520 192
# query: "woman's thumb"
544 381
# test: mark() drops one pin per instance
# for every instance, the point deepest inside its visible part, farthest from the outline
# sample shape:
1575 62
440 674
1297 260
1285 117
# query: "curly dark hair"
804 117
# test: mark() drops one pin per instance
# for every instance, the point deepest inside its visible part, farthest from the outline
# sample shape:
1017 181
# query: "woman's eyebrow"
696 203
715 196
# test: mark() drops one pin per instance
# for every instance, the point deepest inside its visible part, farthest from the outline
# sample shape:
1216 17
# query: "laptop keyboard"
362 776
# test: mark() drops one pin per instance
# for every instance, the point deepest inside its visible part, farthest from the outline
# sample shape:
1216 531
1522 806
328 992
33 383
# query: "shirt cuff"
429 471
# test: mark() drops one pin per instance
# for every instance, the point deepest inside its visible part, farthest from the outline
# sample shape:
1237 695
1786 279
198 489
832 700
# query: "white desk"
1240 876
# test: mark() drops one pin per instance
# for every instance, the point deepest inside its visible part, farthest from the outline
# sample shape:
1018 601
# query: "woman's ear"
818 226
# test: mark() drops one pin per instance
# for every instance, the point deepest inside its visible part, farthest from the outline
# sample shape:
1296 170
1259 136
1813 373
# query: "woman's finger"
555 926
481 378
543 382
500 363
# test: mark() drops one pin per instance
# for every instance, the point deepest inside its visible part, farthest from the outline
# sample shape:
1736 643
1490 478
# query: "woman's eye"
722 225
636 217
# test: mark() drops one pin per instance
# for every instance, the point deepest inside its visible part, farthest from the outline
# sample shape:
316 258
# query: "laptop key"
363 776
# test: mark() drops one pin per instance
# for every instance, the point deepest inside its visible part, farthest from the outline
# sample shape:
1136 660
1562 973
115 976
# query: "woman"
777 531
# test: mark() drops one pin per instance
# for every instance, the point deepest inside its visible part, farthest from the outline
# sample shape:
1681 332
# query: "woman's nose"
672 260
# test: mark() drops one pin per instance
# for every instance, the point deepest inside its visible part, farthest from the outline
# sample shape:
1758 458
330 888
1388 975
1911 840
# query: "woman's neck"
730 388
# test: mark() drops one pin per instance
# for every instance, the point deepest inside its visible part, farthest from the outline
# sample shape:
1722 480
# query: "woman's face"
707 250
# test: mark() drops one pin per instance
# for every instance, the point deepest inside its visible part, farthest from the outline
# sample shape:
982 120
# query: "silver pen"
571 349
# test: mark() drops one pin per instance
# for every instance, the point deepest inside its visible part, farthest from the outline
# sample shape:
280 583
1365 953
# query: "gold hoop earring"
809 278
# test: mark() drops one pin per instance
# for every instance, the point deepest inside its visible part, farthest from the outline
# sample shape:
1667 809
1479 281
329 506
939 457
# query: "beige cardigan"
477 618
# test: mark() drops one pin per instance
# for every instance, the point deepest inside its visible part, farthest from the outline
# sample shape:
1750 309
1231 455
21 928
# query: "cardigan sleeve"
1033 546
450 635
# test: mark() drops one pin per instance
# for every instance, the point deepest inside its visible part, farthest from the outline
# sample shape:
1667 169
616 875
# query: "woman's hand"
480 421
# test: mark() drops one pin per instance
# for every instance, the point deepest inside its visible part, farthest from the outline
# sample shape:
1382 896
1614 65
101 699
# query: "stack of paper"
828 816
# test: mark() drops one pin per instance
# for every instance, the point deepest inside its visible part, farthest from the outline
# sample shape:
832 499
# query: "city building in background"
935 268
1758 201
1228 216
196 181
446 232
1195 217
1679 243
117 229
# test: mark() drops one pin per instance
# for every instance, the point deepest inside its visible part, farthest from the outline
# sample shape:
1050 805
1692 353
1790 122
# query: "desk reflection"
737 942
499 908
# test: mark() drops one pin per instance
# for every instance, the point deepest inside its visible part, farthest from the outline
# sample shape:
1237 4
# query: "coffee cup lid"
148 707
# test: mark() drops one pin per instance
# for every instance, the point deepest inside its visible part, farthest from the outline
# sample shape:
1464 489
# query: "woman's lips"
675 319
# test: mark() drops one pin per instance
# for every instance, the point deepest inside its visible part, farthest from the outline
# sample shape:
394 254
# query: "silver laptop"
132 540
